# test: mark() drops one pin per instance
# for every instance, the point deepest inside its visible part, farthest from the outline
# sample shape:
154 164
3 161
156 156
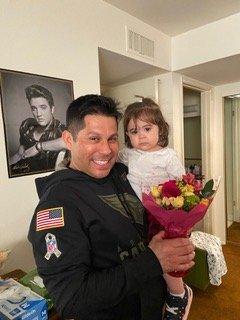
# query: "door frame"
236 161
218 156
228 159
206 104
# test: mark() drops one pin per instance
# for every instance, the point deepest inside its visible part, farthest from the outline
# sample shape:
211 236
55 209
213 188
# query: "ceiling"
174 17
215 72
116 69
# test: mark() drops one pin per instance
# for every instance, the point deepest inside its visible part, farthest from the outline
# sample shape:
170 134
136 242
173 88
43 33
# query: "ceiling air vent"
139 44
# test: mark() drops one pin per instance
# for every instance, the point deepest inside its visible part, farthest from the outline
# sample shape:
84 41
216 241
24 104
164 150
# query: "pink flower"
170 189
189 178
197 184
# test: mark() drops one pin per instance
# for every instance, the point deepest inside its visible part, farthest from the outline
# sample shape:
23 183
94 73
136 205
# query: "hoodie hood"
44 184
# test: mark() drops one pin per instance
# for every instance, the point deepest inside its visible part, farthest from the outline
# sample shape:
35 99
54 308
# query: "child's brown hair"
146 110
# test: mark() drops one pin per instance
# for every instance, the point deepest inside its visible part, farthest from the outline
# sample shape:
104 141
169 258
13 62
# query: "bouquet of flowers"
177 205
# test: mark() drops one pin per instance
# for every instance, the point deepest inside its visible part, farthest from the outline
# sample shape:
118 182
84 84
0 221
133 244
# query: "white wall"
213 41
170 98
58 39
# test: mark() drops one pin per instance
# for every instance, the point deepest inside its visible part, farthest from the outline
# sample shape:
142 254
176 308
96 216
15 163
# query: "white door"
236 158
229 137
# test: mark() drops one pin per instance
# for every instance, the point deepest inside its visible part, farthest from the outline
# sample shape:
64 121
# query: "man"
40 136
89 228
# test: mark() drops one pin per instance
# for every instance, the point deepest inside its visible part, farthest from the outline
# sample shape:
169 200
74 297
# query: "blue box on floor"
18 302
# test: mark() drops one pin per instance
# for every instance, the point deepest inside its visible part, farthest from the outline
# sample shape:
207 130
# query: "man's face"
95 149
42 111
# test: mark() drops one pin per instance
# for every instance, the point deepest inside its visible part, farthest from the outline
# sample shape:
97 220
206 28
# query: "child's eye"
148 129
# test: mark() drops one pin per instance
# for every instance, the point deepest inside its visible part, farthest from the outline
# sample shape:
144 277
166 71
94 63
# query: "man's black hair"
90 104
36 91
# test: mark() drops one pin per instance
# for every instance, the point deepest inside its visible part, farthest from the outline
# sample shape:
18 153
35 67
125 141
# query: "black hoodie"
102 268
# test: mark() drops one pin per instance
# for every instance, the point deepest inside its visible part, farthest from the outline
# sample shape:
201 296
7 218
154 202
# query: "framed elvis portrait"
34 111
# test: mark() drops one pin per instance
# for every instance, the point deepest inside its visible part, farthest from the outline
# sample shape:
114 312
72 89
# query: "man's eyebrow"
99 134
114 135
93 132
32 105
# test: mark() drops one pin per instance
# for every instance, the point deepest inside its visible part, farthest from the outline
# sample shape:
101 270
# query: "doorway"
232 166
192 131
192 128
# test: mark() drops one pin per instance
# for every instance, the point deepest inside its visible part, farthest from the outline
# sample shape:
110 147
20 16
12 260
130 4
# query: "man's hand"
31 152
17 156
173 254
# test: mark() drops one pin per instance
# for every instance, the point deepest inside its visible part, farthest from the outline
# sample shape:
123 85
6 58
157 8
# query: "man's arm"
50 145
17 156
53 145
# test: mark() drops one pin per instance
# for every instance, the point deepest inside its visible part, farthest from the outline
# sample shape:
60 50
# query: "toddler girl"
148 157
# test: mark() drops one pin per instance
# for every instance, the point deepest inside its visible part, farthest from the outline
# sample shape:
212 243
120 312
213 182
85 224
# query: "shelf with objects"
194 166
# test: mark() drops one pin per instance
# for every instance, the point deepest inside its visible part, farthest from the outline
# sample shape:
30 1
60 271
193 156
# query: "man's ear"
68 139
52 109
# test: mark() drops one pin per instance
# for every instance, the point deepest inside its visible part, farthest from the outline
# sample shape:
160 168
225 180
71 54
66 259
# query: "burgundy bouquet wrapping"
176 206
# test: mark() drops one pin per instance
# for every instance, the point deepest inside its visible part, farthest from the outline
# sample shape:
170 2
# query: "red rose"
170 189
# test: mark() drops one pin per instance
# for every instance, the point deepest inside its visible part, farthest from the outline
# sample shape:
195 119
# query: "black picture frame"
26 126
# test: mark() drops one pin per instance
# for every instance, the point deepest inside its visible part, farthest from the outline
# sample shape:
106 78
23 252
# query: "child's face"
143 135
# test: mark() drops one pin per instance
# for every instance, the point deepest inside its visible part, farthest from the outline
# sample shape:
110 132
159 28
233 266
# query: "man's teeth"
100 162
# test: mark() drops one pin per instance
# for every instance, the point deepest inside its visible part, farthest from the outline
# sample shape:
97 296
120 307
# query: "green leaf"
208 191
208 194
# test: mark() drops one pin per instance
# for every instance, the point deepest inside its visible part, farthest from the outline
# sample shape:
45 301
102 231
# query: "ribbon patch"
52 247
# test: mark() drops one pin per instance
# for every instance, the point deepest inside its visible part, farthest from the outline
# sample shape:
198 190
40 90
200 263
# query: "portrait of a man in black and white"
39 144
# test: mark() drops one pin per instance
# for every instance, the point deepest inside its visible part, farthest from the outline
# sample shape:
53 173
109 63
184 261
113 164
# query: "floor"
223 302
233 233
220 302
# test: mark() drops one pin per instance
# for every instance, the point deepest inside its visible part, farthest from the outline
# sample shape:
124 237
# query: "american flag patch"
50 218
